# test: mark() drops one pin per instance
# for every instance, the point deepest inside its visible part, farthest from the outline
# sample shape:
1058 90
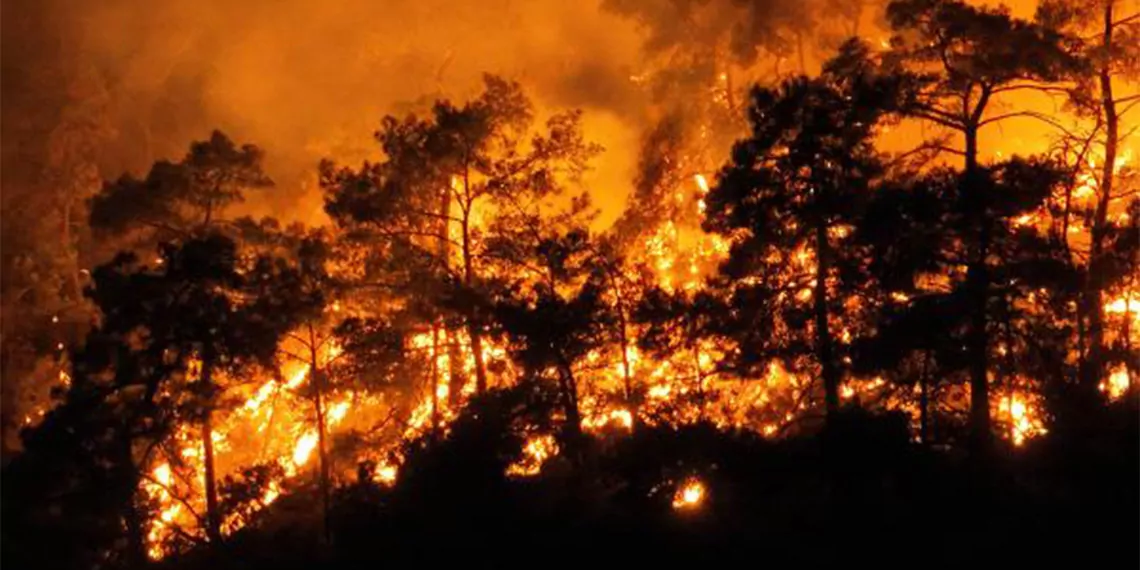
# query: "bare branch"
1032 115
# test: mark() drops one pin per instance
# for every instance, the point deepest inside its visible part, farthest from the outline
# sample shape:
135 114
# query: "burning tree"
957 70
789 200
444 180
555 321
166 334
186 203
1096 200
463 322
918 232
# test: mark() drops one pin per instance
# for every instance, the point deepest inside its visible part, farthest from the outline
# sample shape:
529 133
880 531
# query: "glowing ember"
535 453
1129 305
690 495
1024 419
1117 384
386 474
620 417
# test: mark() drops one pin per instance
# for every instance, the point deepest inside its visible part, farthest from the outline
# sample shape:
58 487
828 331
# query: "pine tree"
790 198
947 47
443 181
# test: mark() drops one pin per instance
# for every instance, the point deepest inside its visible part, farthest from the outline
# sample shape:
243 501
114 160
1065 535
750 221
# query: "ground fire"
852 242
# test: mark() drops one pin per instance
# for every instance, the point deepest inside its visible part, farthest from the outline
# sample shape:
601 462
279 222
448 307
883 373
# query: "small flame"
1024 419
1127 305
1117 384
338 412
386 474
304 448
690 495
535 453
619 417
271 494
702 183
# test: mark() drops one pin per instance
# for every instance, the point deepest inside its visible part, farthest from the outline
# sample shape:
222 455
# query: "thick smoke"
306 80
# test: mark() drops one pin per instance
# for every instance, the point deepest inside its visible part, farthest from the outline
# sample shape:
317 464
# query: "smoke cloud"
307 80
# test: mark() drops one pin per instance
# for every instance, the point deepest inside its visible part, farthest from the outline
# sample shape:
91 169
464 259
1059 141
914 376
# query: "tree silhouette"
150 365
47 244
311 294
790 198
917 231
1109 43
675 324
957 70
177 199
441 175
556 317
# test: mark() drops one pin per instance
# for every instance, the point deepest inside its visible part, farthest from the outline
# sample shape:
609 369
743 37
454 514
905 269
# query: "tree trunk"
823 341
213 516
1092 302
923 403
627 368
132 515
569 388
923 412
624 345
454 366
136 537
317 377
700 377
473 329
434 378
977 283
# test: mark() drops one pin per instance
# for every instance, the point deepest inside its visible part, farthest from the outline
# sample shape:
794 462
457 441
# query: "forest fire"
819 242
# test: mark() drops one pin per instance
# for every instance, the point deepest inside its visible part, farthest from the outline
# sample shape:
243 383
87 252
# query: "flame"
1023 417
338 411
536 452
271 494
1117 384
690 495
304 448
620 417
386 474
1124 306
702 183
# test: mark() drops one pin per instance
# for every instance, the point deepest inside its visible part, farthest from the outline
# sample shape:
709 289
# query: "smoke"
308 80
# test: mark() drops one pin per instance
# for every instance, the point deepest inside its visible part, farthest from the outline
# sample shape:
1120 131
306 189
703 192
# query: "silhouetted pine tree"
789 198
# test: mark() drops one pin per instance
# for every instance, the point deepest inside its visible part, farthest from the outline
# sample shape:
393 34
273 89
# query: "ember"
689 495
